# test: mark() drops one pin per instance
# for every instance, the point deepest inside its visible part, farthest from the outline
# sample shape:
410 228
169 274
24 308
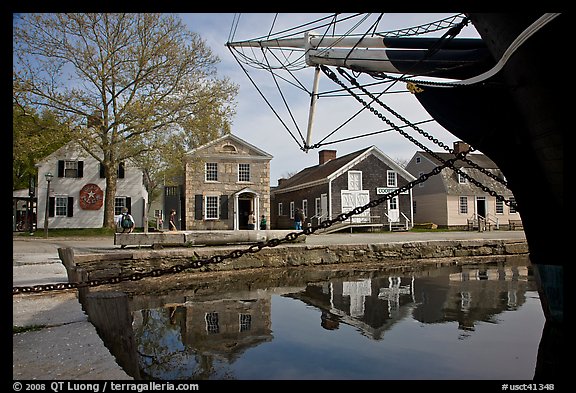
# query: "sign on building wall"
388 190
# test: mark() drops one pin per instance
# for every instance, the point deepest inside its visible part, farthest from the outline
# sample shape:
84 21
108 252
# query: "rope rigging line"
289 63
266 100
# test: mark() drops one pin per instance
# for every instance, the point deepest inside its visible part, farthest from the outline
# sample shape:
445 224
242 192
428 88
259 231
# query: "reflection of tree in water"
161 352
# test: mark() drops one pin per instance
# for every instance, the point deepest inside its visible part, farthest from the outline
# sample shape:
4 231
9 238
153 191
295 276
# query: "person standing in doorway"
251 220
172 223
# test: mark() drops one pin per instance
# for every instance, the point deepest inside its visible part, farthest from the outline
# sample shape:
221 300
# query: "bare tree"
126 84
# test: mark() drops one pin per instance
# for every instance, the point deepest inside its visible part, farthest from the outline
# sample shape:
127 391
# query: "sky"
256 123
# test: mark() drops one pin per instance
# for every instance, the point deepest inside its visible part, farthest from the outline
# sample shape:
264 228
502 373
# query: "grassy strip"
24 329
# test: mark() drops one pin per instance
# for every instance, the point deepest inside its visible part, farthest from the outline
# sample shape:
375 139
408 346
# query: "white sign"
387 190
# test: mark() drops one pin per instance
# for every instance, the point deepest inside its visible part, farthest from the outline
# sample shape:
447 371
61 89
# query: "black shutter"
121 170
129 204
198 206
70 212
51 206
102 174
223 207
60 168
80 169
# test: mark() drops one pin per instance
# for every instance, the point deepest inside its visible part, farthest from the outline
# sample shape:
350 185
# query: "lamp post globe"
48 177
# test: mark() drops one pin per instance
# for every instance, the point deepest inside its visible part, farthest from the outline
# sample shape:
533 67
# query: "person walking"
126 221
298 220
172 223
263 222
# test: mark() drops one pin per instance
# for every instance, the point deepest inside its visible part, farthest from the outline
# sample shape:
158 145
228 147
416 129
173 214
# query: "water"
463 321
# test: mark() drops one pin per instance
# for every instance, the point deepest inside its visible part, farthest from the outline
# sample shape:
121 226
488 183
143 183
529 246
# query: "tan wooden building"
449 200
225 180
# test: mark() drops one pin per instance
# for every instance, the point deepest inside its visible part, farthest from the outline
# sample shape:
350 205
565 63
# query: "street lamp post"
49 177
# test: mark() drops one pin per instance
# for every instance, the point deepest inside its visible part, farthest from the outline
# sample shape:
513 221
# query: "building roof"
332 168
234 138
479 159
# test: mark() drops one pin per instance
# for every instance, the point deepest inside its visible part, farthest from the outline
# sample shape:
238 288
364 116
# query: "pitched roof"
319 172
479 159
232 137
324 172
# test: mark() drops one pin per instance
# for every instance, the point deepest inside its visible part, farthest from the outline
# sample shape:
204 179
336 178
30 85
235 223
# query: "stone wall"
125 263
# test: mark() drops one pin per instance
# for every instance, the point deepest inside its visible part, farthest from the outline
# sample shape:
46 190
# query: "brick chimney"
326 155
460 146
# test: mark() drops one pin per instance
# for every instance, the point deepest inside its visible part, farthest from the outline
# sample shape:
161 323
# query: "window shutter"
102 174
198 206
51 206
121 170
223 207
60 168
70 212
129 204
80 168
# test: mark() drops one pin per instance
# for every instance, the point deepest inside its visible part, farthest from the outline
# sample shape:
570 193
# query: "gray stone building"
225 180
338 185
450 200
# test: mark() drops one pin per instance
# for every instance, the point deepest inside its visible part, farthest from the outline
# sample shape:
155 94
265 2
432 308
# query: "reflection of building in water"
372 305
227 327
472 294
198 339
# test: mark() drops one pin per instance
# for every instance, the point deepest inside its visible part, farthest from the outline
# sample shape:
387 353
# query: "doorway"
244 209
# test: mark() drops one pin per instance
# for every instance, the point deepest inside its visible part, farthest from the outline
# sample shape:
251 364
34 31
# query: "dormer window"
461 178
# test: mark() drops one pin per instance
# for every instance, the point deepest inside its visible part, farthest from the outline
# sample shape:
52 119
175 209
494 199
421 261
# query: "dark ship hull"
517 118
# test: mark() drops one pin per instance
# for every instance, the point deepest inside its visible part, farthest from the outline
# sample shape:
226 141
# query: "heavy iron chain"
483 187
424 133
199 263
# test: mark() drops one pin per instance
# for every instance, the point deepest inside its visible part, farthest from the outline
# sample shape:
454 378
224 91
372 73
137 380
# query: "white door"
352 199
324 206
393 209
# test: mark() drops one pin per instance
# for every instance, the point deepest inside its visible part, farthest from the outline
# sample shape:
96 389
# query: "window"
119 204
418 159
317 207
211 207
391 179
305 207
61 206
463 208
421 184
461 178
211 171
499 207
245 322
280 212
354 180
291 209
512 208
212 325
243 172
